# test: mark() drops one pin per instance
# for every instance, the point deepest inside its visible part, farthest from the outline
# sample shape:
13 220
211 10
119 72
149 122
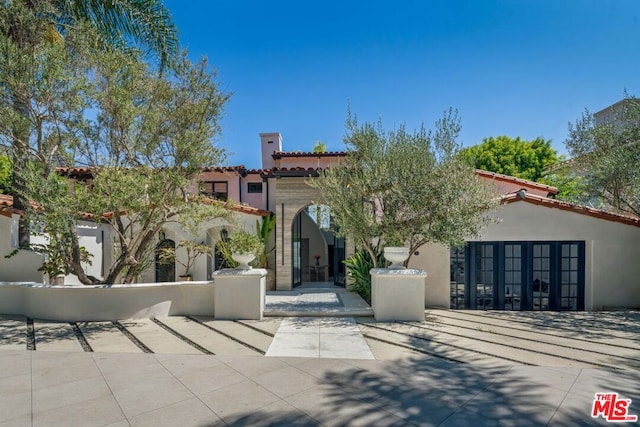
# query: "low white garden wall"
103 303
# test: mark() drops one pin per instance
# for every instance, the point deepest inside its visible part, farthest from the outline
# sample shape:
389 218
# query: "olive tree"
403 188
607 155
143 138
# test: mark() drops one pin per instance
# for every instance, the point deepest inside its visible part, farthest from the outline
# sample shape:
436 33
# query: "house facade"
541 254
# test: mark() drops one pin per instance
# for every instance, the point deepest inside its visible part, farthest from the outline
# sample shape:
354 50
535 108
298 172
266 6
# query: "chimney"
270 143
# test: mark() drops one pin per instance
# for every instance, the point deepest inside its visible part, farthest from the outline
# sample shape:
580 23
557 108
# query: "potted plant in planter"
244 247
55 270
192 249
240 293
395 252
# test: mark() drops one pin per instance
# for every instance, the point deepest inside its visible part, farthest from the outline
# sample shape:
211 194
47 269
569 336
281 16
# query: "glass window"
254 187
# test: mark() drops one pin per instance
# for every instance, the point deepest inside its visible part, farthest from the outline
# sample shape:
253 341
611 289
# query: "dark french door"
518 276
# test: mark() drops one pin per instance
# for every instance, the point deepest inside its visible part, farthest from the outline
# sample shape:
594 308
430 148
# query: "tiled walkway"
457 368
326 337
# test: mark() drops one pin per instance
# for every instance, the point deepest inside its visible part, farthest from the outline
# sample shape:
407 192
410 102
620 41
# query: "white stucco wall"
434 259
212 228
102 303
22 267
612 250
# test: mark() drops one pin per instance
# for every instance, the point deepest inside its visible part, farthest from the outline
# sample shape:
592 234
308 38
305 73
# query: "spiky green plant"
358 267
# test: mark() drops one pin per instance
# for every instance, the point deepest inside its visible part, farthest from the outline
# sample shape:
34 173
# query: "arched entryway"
165 266
317 252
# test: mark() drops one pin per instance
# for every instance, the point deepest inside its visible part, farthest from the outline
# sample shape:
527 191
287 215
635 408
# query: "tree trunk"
20 148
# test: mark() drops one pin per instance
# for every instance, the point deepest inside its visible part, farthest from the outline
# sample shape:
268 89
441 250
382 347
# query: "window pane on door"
569 274
541 274
512 277
457 277
485 276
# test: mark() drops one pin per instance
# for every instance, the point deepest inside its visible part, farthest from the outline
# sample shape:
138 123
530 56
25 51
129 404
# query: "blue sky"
512 67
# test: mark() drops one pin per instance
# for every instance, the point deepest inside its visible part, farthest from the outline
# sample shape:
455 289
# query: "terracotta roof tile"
281 154
513 179
523 196
238 208
6 205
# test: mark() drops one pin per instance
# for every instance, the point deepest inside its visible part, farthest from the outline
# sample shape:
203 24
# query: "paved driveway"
458 368
491 338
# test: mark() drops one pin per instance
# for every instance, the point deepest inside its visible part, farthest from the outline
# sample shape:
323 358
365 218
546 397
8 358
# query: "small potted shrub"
193 251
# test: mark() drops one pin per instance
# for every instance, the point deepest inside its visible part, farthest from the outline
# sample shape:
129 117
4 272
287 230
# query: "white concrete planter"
243 260
76 303
239 294
396 255
398 294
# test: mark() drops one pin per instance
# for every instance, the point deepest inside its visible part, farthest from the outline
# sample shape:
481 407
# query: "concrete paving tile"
338 325
349 345
191 412
183 364
69 393
251 366
537 334
242 333
15 407
286 382
51 368
529 402
105 337
330 406
15 362
156 338
384 351
268 325
143 395
624 382
300 324
465 418
15 384
320 368
51 336
536 376
575 410
210 378
211 340
118 362
238 399
294 361
295 344
21 421
417 411
95 412
123 423
279 413
13 333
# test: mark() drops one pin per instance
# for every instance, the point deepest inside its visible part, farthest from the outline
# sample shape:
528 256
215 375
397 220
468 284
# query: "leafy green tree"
607 155
320 147
404 188
514 157
146 141
5 175
26 26
571 187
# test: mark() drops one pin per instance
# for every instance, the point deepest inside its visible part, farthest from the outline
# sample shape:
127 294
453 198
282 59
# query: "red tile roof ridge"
513 179
6 205
278 154
521 195
237 207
